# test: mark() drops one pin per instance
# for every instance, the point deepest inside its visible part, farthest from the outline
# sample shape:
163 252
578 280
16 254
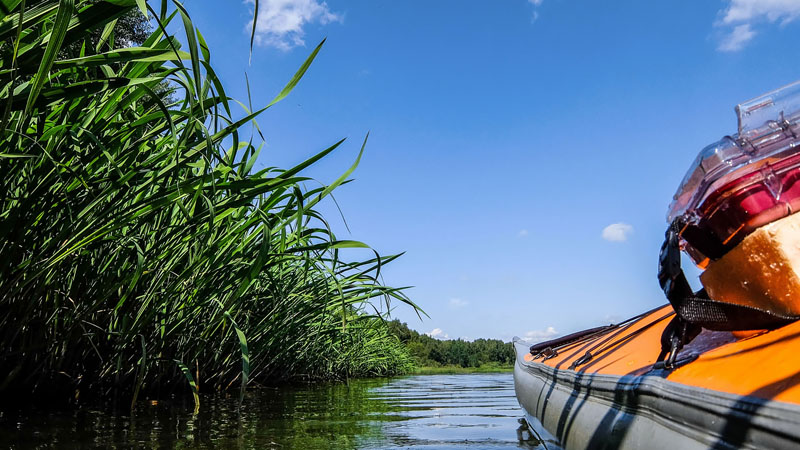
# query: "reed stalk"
137 240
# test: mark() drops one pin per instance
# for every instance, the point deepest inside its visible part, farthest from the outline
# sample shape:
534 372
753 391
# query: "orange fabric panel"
762 364
621 351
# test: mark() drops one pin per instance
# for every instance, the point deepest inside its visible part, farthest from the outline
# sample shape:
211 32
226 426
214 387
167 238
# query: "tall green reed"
139 248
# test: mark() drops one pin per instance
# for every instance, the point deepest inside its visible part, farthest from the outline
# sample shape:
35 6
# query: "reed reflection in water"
420 412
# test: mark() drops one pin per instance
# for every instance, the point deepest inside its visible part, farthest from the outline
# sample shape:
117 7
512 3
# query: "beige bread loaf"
762 271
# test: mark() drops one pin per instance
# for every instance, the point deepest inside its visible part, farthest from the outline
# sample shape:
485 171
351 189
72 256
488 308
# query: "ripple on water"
454 411
416 412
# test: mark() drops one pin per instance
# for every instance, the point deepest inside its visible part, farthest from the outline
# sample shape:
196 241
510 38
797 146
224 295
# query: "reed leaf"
136 234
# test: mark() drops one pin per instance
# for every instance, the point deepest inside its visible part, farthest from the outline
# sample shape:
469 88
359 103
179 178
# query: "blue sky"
522 153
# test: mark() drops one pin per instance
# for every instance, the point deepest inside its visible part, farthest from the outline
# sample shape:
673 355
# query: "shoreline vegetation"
145 248
455 370
450 356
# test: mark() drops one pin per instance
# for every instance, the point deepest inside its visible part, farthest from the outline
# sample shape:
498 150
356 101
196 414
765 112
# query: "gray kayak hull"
588 411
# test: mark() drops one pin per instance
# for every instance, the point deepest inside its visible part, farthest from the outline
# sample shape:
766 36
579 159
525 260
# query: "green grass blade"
192 384
297 76
253 30
245 354
57 34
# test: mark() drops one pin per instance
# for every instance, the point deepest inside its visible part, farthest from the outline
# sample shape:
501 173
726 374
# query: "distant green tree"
402 331
428 351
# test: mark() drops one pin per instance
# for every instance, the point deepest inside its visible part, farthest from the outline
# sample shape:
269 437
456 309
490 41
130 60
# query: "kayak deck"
729 391
762 364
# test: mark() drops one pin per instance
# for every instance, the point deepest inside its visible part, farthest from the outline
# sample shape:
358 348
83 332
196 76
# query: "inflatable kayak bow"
701 372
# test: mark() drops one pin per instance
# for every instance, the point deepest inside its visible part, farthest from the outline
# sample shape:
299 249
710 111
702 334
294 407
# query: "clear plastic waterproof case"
743 181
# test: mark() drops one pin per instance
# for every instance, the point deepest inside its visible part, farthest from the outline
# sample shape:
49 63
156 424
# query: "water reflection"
420 412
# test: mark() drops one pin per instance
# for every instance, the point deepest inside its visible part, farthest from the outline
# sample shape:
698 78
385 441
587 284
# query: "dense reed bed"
139 249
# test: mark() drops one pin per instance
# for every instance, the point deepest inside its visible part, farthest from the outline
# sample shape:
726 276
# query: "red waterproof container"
743 181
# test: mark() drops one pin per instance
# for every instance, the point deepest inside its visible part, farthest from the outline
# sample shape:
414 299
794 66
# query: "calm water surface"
476 411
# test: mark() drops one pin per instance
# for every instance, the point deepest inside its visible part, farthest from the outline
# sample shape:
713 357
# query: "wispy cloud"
536 4
522 233
739 17
457 303
535 336
437 333
771 10
737 38
281 23
617 232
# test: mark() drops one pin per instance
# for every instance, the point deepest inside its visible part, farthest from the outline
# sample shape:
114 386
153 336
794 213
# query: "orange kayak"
606 389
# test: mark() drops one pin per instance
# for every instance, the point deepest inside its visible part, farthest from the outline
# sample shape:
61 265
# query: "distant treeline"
431 352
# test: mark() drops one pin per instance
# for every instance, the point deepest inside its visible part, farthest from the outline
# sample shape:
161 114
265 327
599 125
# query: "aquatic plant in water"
139 248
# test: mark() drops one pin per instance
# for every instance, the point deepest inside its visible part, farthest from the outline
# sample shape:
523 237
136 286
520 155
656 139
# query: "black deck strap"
670 275
677 333
695 310
568 339
582 360
720 316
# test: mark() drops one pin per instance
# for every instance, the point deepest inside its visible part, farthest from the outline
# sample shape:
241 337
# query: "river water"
477 411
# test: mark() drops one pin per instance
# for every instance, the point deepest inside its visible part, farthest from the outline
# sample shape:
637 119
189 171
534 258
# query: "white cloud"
280 23
617 232
735 40
522 233
536 4
437 333
456 303
740 11
738 18
535 336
